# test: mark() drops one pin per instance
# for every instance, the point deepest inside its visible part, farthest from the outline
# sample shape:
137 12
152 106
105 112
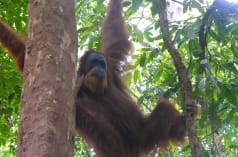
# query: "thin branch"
176 1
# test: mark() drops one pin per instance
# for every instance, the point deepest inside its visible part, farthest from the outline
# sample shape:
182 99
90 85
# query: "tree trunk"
47 118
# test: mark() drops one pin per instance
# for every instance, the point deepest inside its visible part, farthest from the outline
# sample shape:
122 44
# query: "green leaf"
136 4
202 83
230 116
143 60
233 146
136 75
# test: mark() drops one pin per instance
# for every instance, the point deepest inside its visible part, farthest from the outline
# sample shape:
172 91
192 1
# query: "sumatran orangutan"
106 115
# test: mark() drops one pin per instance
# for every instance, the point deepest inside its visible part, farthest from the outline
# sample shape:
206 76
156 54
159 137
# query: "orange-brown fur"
14 43
109 119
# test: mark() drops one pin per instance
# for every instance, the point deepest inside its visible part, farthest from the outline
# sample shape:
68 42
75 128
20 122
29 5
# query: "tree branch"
185 83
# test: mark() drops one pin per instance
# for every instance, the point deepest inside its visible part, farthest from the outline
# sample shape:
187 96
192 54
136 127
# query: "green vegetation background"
152 72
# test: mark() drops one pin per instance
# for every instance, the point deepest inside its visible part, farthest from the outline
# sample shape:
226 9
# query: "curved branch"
185 83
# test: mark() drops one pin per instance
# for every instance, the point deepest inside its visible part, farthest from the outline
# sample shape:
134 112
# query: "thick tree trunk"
46 125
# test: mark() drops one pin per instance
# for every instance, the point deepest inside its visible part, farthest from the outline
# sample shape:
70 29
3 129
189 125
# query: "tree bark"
47 117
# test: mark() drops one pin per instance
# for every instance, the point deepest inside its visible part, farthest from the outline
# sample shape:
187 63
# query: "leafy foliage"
14 13
152 73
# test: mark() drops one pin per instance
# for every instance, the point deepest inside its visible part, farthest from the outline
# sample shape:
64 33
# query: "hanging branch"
213 13
185 83
202 34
